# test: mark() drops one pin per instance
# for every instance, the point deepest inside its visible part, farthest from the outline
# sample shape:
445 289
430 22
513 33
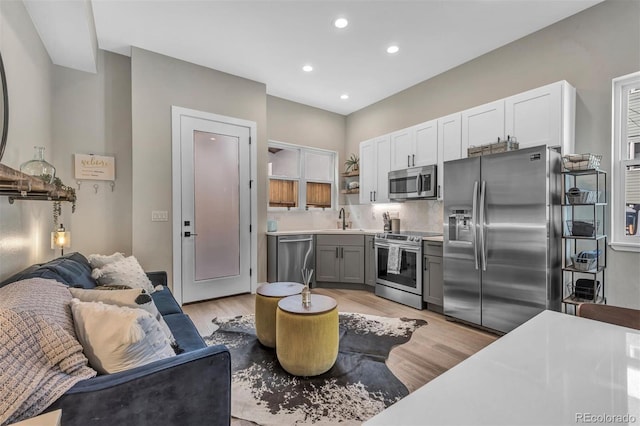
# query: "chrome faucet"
342 215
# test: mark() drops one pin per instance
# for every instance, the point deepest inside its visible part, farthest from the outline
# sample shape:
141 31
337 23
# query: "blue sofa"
192 388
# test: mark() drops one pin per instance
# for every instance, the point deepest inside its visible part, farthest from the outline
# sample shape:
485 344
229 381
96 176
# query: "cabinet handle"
370 195
413 159
439 196
341 252
426 264
408 161
337 248
374 195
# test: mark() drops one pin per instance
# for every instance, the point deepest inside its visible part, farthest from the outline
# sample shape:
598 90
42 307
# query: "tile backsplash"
419 215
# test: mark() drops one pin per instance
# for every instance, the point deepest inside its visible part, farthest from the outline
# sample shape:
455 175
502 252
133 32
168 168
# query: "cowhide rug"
356 388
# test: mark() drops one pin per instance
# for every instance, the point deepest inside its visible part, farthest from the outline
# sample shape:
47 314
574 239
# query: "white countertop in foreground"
340 232
555 369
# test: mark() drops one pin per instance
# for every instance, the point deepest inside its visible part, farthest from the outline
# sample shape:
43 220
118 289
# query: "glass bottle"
38 167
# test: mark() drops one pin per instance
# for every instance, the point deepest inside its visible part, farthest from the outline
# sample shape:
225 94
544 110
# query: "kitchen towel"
394 260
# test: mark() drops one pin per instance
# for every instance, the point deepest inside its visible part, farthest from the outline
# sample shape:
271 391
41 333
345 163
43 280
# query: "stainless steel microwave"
414 183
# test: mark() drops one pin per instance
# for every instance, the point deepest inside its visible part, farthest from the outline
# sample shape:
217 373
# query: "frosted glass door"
216 209
216 188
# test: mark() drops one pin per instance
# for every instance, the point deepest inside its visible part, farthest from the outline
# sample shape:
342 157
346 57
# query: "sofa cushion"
131 298
165 302
123 272
185 332
72 269
101 260
116 338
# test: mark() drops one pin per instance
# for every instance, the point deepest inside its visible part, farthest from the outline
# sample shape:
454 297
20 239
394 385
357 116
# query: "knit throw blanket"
40 357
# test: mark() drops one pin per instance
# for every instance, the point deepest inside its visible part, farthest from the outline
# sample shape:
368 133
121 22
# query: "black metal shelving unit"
593 213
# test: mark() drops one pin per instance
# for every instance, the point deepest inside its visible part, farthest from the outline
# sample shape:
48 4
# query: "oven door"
410 277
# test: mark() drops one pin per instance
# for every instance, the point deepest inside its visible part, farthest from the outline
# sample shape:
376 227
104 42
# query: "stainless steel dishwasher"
287 255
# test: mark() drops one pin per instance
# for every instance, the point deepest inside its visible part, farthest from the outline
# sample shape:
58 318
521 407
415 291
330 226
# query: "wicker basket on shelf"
578 162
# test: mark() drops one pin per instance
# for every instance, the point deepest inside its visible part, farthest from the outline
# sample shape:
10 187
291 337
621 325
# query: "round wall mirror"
4 109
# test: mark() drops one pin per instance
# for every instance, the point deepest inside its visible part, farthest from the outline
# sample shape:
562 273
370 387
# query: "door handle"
474 220
483 226
189 234
296 241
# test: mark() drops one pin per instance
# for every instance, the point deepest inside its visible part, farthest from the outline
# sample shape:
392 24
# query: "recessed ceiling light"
341 23
307 68
393 49
344 96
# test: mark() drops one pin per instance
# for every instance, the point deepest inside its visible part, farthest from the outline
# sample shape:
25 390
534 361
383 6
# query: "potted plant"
353 163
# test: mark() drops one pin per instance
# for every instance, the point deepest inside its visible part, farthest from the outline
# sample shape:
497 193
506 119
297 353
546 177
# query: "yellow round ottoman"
267 298
307 338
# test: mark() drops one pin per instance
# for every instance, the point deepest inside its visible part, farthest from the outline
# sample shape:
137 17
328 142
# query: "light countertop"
349 231
554 369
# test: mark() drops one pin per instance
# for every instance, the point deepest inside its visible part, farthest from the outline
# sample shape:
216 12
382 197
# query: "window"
625 154
301 177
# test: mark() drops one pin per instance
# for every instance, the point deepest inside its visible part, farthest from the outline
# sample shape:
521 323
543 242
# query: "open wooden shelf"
351 174
19 186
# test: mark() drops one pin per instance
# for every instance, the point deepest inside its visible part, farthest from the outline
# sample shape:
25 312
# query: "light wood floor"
432 350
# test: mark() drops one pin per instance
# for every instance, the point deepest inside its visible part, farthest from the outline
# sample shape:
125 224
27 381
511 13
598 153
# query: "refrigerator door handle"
474 219
483 225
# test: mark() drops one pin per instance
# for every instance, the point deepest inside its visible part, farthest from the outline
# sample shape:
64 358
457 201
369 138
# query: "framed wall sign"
94 167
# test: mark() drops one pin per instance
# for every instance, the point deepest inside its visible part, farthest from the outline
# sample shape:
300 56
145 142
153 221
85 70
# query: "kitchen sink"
341 231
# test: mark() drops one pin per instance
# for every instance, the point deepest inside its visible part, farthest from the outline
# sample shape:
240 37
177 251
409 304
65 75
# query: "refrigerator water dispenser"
460 226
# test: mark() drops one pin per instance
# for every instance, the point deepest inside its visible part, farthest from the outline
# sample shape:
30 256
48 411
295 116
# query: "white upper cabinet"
482 125
367 171
542 116
374 170
426 146
415 146
449 145
402 148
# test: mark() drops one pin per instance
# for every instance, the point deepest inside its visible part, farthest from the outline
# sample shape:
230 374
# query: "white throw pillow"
101 260
132 298
118 338
123 272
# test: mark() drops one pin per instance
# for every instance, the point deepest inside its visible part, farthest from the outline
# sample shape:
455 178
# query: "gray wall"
588 50
157 83
300 124
25 226
92 115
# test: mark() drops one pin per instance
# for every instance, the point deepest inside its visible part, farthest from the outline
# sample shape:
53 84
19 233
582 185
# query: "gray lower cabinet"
340 258
369 261
432 275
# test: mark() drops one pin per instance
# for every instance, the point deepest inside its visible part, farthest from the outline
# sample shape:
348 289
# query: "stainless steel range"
399 266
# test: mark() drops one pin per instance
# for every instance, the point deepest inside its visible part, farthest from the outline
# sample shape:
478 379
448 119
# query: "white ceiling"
269 41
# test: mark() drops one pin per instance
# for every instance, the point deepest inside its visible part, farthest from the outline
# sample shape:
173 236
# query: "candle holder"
306 292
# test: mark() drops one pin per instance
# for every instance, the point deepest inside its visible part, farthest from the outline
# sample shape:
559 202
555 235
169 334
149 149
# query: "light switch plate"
159 216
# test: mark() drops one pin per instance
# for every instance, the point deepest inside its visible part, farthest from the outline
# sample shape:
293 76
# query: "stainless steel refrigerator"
502 237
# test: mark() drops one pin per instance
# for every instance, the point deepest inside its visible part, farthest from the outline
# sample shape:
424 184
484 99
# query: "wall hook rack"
96 187
113 185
